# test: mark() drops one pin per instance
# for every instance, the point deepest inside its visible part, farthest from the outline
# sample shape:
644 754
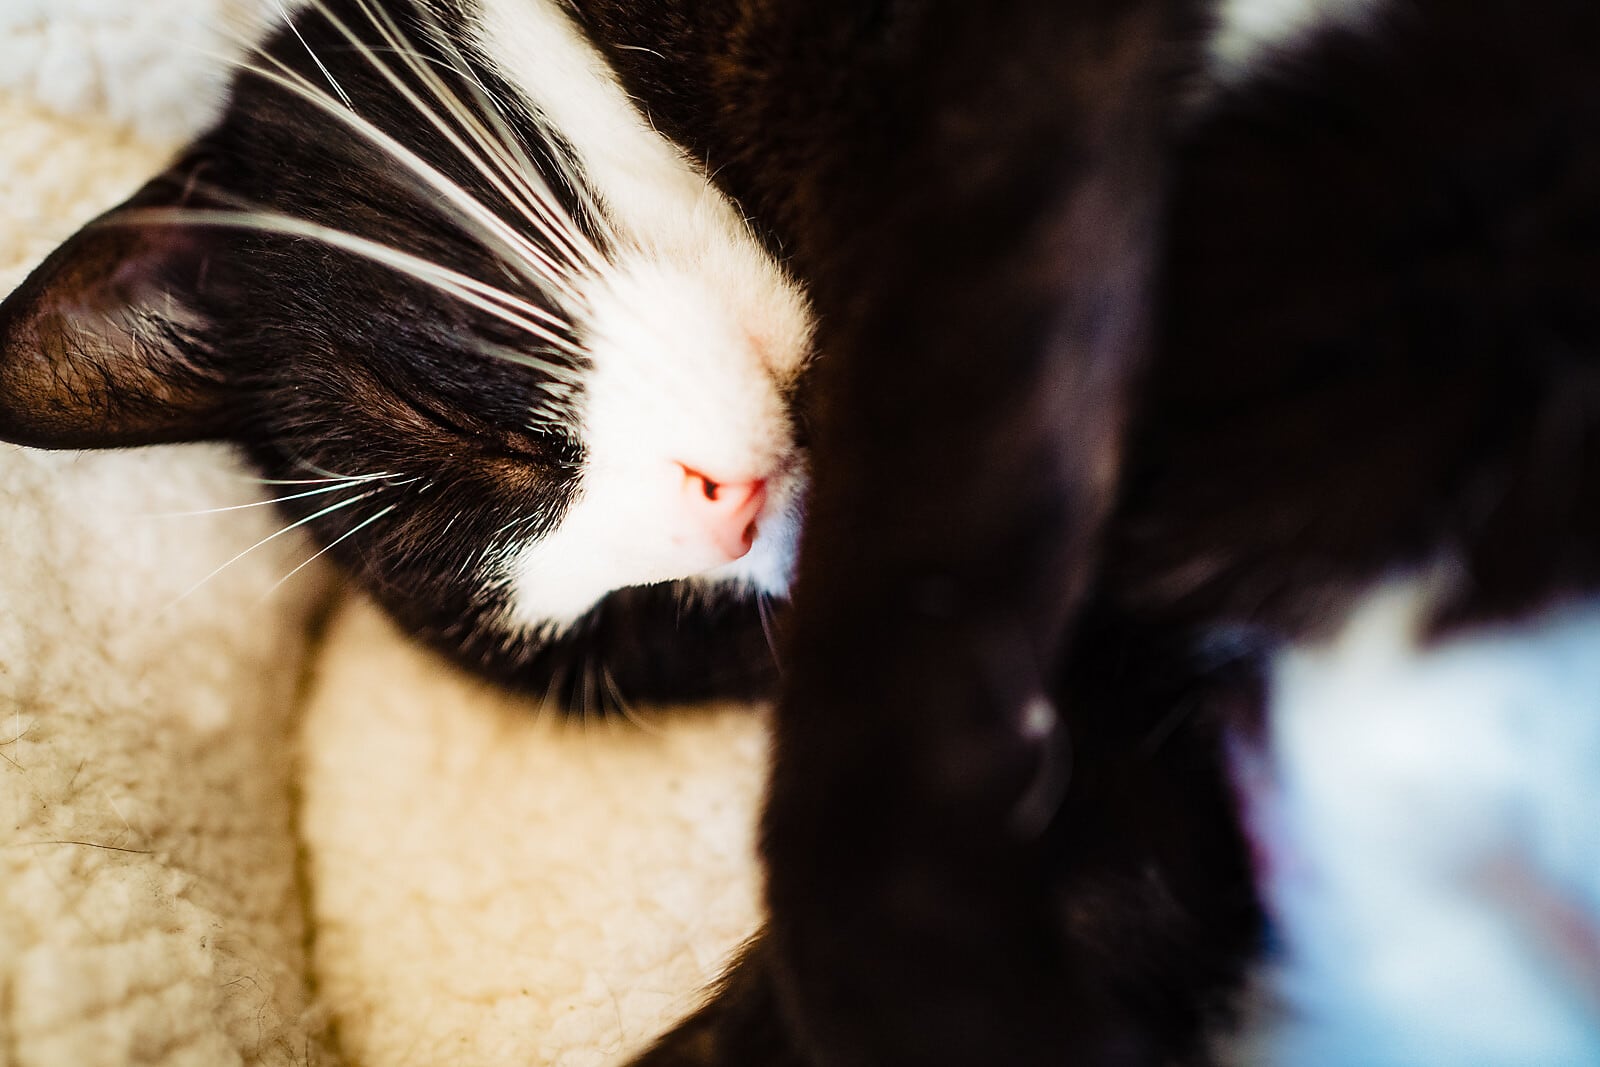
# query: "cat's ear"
102 345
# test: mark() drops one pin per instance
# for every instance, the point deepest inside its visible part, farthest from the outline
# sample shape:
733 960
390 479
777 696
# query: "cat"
1166 347
1149 354
507 355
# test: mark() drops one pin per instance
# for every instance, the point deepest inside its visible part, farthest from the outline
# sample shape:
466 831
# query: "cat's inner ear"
102 345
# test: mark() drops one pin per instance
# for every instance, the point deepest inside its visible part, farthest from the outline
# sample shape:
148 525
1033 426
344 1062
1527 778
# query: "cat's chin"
765 573
669 643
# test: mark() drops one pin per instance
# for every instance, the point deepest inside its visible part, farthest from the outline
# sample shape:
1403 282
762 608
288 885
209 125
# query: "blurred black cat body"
1136 371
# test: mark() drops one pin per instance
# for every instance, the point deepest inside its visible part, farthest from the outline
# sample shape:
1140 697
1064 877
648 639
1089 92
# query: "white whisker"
641 48
550 691
764 612
510 309
625 707
539 207
587 678
505 150
306 464
288 21
254 503
494 231
520 520
239 207
328 548
565 376
317 481
265 540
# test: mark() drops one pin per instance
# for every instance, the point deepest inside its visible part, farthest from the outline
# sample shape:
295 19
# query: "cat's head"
497 343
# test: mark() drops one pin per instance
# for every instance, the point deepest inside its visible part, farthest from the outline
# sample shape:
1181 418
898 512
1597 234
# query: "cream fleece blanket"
231 835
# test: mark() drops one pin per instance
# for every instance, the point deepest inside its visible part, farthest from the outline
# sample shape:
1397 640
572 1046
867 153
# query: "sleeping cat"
500 346
1148 364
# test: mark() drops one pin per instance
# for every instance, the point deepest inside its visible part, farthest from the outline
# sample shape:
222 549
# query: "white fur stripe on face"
1430 821
693 333
653 196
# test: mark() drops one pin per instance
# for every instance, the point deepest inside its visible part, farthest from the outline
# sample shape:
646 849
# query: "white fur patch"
695 336
673 382
1431 822
1249 31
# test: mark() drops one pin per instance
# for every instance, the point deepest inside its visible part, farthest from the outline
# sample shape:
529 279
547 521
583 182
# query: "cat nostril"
728 512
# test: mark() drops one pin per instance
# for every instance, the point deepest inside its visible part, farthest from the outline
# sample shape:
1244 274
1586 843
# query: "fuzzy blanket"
244 822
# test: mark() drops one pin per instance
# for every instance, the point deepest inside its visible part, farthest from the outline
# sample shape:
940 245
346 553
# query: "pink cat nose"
726 511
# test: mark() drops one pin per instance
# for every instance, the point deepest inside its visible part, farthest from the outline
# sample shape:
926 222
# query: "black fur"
1373 352
975 199
1379 344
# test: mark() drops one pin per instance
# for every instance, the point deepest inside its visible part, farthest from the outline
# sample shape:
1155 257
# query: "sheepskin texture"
150 910
495 886
485 884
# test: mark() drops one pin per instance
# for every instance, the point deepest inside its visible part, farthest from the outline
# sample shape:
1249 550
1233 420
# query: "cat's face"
505 348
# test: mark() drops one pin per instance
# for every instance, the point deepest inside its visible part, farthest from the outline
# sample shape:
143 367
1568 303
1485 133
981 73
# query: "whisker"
623 705
574 178
315 481
537 265
253 216
305 464
587 677
546 215
564 374
489 226
520 520
326 549
283 13
511 309
265 540
764 612
519 170
550 690
253 504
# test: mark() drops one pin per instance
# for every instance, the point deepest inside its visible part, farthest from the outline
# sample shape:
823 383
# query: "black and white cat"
1208 415
501 345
